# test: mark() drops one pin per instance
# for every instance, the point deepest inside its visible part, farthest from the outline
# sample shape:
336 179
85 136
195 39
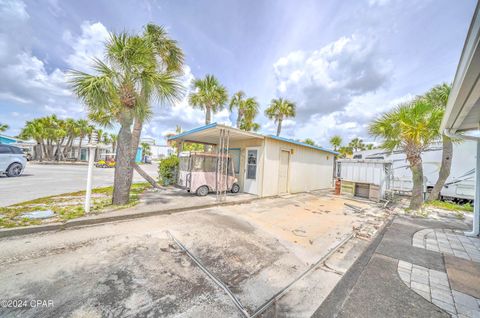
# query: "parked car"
12 160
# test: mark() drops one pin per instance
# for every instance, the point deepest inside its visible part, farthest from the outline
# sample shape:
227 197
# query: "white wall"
310 169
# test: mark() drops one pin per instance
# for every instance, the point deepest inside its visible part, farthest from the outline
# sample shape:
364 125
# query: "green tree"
209 95
356 144
280 109
336 142
247 110
146 150
309 141
345 151
120 90
438 97
84 129
3 127
411 127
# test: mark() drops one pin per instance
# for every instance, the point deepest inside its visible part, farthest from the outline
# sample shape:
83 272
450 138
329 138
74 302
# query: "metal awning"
463 108
209 134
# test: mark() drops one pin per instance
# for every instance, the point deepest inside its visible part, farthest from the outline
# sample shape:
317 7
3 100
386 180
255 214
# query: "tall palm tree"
236 102
280 109
209 95
119 88
438 97
411 127
3 127
336 142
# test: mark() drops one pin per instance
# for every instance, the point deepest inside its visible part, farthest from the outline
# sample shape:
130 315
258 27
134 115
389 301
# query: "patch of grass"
467 207
67 206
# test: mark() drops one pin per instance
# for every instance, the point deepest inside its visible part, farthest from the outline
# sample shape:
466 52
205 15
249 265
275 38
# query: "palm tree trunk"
136 134
417 175
79 148
208 115
123 167
279 127
146 176
444 173
239 118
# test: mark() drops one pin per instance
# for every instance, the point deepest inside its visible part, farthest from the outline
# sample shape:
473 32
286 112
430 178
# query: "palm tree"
83 130
280 109
356 144
140 69
209 95
411 127
336 142
237 101
118 88
113 141
3 127
146 150
309 141
438 97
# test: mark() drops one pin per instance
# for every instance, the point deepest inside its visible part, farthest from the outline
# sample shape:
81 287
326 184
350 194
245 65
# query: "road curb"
18 231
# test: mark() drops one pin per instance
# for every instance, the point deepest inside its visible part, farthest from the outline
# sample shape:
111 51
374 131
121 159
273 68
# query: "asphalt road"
44 180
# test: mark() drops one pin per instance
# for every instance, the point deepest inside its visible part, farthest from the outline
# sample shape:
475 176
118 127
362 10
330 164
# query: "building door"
251 171
283 171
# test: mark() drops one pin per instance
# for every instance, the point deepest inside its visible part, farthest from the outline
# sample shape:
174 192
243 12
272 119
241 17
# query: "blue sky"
342 62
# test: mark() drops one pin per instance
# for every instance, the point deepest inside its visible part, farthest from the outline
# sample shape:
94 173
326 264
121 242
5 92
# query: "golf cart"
202 172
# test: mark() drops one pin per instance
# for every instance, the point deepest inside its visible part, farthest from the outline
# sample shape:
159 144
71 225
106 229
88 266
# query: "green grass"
452 206
67 206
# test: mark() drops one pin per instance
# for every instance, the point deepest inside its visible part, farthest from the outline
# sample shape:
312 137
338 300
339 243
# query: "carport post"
91 156
476 200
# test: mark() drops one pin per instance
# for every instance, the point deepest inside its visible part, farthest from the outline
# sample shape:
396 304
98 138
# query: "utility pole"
92 145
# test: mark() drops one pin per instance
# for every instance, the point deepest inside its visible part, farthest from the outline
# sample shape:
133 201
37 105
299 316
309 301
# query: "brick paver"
448 241
433 285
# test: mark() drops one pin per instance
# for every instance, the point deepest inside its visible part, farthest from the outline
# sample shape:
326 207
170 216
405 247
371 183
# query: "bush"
167 170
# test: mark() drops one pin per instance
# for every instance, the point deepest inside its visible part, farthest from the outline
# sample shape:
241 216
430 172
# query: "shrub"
167 170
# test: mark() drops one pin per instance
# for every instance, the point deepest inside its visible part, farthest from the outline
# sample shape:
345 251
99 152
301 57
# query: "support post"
476 200
91 158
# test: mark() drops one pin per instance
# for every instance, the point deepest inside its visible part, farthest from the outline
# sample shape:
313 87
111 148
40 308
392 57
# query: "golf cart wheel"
202 191
14 170
235 188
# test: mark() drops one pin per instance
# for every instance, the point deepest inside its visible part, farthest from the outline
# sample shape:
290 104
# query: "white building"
268 165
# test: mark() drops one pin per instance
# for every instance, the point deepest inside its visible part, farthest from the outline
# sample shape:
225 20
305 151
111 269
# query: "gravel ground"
132 268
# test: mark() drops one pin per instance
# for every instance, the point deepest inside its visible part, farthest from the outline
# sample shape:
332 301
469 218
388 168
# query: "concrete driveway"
134 269
44 180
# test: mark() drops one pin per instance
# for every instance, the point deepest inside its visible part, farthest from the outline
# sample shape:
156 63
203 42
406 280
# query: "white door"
283 171
251 171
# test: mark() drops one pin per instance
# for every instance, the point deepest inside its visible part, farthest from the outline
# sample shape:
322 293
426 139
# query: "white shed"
269 165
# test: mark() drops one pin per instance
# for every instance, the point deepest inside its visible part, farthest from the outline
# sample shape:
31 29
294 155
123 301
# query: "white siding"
310 169
243 145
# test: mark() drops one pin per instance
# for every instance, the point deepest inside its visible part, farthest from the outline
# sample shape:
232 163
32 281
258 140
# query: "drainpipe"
476 201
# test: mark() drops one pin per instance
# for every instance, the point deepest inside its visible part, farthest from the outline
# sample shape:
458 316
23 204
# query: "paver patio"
416 268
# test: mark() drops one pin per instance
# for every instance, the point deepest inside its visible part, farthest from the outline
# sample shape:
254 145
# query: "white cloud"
90 44
338 88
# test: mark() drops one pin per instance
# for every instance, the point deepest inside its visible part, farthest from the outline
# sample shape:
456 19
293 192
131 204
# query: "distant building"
158 151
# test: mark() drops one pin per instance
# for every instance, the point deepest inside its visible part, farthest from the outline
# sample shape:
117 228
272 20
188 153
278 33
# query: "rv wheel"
202 191
235 188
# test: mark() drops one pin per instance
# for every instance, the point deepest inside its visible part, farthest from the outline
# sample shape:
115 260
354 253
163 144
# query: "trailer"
458 187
